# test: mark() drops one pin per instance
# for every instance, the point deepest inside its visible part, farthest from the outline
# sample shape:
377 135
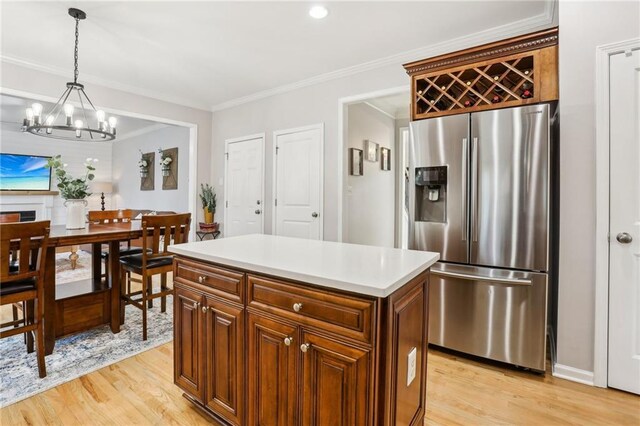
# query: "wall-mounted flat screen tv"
24 173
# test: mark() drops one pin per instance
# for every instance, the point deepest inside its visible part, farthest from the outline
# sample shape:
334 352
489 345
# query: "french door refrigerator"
480 195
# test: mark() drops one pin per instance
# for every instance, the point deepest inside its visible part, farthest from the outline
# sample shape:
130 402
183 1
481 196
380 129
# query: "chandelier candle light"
70 129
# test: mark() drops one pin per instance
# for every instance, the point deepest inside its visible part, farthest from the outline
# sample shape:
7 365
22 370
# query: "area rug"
79 354
64 273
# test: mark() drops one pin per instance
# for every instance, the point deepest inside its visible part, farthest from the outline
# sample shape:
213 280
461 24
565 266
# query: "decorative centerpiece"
208 198
73 190
143 165
165 162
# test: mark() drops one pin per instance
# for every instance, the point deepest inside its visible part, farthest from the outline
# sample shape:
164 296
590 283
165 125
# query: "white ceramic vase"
75 213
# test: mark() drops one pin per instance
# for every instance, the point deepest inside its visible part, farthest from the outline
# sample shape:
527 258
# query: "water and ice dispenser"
431 194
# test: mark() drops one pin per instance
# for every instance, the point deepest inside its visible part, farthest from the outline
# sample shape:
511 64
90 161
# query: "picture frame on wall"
356 166
371 150
147 182
385 159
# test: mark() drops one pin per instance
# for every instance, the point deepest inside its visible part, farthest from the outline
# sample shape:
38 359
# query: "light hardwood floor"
140 390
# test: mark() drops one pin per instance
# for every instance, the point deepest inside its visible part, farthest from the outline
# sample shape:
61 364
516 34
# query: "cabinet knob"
305 347
204 309
297 307
288 340
195 305
201 279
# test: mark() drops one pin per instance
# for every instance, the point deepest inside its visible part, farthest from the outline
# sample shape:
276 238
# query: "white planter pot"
75 213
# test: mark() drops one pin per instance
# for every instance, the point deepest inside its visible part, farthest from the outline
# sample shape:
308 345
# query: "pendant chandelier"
47 125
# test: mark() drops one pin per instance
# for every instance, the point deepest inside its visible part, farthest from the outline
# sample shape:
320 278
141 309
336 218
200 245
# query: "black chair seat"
124 252
135 261
17 286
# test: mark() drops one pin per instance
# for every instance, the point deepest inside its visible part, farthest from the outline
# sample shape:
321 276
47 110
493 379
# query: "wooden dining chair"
26 284
114 216
159 232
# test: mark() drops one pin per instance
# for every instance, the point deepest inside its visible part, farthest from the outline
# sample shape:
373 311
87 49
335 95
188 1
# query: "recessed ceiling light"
318 12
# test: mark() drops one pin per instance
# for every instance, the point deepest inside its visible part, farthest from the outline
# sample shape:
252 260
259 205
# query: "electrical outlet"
411 365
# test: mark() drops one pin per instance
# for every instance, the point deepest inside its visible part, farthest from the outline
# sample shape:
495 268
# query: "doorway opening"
374 130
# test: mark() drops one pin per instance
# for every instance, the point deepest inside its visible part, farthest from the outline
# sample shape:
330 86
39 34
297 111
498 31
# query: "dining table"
76 306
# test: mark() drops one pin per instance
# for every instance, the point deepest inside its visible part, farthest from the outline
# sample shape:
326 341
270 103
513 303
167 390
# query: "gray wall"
302 107
126 175
369 200
583 26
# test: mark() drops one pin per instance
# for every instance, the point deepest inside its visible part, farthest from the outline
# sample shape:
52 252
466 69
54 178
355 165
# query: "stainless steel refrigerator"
481 196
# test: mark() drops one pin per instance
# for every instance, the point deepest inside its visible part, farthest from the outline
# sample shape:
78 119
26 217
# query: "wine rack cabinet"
517 71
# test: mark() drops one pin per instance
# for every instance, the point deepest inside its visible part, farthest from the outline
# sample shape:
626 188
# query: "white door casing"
624 222
244 186
298 182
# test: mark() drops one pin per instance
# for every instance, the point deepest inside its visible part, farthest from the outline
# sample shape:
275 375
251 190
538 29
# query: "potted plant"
143 165
165 162
73 190
208 198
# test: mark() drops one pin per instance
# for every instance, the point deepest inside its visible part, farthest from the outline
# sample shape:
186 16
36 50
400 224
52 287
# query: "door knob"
288 340
257 211
314 214
624 238
305 347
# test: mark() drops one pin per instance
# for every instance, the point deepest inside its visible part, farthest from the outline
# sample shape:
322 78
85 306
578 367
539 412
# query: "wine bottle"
496 99
526 94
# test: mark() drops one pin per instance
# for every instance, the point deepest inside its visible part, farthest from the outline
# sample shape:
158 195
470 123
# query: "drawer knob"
200 279
204 309
297 307
288 340
305 347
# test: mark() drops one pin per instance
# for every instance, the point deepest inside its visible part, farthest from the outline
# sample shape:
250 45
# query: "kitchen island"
280 331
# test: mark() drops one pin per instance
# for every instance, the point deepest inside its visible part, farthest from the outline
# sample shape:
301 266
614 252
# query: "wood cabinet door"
335 382
187 342
273 350
224 354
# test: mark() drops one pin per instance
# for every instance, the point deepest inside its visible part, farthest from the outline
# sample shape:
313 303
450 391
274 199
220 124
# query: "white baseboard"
574 374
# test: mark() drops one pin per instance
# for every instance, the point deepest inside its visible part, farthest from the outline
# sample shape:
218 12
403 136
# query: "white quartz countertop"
368 270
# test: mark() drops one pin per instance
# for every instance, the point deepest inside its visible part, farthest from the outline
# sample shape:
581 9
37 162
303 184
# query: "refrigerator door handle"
474 190
497 280
465 198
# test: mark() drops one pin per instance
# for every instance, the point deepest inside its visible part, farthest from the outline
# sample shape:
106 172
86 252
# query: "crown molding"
110 84
143 131
544 20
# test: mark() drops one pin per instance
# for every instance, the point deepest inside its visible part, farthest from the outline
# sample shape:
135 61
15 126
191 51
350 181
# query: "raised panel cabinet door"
335 382
187 342
224 354
273 350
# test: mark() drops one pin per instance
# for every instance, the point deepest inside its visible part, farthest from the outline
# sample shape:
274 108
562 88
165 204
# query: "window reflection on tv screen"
24 173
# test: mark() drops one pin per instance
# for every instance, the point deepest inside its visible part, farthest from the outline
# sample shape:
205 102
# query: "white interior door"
298 183
244 186
624 266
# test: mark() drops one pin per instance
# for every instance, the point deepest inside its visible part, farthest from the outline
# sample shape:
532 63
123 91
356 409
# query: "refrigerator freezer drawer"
492 313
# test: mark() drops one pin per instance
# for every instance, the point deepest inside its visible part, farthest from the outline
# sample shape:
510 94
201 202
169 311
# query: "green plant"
71 188
208 197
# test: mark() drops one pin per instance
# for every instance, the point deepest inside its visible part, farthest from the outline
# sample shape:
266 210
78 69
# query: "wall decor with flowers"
169 167
146 168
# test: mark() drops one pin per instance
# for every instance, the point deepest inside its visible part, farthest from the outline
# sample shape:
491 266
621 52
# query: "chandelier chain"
75 54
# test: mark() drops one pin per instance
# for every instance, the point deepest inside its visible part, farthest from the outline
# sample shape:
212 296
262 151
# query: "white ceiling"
396 106
207 54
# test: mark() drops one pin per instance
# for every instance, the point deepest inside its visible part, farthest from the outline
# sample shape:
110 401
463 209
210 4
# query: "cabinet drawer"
347 315
222 282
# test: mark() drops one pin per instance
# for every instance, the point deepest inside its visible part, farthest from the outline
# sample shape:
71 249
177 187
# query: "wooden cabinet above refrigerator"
518 71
